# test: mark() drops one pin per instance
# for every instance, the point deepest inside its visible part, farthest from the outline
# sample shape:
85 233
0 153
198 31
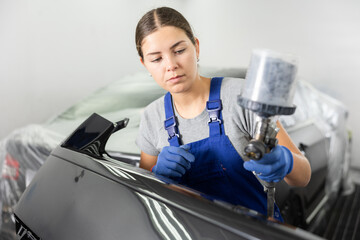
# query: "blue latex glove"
273 166
173 162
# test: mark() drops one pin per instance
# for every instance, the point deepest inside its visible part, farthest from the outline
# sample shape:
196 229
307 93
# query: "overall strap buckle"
214 108
171 127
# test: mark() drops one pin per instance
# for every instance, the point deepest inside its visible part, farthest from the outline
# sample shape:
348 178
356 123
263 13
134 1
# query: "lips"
175 78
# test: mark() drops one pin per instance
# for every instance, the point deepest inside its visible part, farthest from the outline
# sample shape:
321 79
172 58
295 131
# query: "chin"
178 88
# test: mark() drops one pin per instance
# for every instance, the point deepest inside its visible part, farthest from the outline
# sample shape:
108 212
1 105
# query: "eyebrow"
172 47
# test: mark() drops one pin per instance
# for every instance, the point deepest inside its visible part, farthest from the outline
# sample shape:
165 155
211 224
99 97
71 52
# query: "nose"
171 64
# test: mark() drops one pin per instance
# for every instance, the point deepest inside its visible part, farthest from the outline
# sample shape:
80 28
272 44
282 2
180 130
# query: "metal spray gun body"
268 92
262 143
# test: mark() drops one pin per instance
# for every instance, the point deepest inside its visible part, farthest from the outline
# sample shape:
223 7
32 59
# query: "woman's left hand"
273 166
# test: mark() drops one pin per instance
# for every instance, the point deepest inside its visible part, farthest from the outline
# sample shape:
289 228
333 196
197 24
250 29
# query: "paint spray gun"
268 92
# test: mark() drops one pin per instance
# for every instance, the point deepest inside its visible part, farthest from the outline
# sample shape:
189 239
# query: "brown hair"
157 18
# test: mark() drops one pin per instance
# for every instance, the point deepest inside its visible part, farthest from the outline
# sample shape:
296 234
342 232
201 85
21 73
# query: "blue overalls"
218 169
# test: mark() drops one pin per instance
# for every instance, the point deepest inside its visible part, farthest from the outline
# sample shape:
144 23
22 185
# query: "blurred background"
55 53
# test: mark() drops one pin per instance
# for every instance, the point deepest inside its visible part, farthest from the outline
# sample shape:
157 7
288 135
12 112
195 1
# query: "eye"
180 51
156 60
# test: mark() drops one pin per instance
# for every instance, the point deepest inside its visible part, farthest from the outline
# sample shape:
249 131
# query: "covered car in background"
318 128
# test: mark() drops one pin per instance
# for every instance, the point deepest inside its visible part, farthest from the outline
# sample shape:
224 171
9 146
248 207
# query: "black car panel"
75 195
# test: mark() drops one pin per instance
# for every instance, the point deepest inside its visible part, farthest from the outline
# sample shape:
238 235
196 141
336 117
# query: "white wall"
54 53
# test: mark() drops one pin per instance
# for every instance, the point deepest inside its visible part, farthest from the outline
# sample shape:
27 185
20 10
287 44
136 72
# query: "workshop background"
55 53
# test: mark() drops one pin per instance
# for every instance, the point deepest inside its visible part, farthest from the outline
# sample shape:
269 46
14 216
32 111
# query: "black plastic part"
120 125
92 135
23 232
263 109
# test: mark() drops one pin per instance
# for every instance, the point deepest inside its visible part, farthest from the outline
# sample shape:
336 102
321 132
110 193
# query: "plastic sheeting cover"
22 153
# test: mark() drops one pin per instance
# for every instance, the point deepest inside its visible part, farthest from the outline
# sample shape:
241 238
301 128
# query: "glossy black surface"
92 135
75 196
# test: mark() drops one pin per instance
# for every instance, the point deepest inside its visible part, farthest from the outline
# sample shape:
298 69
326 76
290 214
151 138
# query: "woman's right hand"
173 162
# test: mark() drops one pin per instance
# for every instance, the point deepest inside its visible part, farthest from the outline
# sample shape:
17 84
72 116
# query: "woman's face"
171 58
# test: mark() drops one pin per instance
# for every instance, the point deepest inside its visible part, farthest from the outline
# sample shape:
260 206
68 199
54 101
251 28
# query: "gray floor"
344 220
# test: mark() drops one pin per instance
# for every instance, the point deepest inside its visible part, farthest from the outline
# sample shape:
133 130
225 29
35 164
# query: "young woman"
196 133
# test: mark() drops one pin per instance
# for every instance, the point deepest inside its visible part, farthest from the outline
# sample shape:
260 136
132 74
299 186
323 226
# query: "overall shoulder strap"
214 107
170 123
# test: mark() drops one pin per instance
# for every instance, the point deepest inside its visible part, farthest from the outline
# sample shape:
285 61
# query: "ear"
197 47
142 61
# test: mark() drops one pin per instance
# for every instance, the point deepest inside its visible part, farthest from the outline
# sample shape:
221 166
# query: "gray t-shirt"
238 122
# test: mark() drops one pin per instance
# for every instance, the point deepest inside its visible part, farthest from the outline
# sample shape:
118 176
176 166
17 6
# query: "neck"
191 103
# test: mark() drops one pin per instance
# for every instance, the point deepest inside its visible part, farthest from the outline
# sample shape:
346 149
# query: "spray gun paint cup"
270 83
